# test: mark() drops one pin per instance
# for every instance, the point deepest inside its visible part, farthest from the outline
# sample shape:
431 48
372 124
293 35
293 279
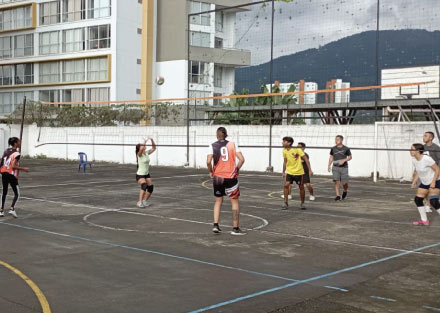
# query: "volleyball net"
183 128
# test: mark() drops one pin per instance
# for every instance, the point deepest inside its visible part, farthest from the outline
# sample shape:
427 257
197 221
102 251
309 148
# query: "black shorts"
306 178
226 187
437 185
298 179
142 176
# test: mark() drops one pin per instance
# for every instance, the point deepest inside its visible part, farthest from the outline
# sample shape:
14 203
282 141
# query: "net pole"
376 95
187 87
22 121
376 129
270 168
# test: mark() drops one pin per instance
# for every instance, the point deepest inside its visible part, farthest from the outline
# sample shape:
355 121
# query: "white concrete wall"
394 165
175 74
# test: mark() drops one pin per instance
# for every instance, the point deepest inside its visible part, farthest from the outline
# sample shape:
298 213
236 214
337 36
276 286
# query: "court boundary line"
258 230
37 291
313 278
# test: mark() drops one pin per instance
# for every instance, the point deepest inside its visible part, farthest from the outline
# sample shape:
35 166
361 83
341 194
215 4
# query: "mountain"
351 58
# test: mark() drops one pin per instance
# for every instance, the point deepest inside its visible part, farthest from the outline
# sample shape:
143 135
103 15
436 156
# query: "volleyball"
160 80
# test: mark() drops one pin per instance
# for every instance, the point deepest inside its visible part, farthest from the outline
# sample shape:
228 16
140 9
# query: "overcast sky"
304 24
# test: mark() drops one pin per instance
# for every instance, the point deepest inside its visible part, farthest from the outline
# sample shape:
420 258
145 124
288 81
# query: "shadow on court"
81 239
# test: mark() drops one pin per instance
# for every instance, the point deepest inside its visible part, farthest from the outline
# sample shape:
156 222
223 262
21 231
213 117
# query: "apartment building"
69 51
102 50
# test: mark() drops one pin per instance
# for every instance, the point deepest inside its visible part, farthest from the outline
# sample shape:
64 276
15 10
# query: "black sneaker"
237 232
303 207
2 213
344 195
338 198
285 206
216 229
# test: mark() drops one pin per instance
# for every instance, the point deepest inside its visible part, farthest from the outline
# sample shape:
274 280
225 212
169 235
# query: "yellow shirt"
294 163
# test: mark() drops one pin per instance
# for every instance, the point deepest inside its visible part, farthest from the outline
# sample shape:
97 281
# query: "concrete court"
82 241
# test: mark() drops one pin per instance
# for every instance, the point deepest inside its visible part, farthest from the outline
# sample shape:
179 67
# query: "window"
218 43
217 101
5 47
74 10
73 71
73 95
16 18
219 21
200 39
98 94
200 19
99 8
6 75
24 45
49 95
49 72
6 102
99 37
19 97
49 13
49 43
73 40
198 72
24 74
97 69
22 17
218 76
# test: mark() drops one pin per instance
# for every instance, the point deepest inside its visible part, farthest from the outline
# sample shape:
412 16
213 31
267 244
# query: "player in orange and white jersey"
223 168
9 168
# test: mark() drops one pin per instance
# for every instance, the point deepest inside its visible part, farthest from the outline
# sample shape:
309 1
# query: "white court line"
85 219
258 230
107 181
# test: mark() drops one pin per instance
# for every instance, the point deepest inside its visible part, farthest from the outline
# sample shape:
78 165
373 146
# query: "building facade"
69 51
106 50
206 57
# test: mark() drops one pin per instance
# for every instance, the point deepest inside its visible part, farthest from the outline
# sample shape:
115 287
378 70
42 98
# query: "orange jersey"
225 158
10 156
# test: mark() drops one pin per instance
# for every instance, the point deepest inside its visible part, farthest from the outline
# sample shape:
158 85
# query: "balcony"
224 56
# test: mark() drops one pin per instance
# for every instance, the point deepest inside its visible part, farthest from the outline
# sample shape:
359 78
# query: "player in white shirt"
427 171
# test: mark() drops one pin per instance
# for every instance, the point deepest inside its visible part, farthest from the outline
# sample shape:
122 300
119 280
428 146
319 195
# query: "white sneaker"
140 204
290 197
428 209
13 213
146 203
312 198
2 213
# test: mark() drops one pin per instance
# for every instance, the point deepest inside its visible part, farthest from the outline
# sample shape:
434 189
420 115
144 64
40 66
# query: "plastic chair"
83 161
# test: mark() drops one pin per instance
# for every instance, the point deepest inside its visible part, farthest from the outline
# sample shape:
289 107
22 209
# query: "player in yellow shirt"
293 170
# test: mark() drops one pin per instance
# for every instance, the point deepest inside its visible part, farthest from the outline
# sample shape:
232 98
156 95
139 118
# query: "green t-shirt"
143 164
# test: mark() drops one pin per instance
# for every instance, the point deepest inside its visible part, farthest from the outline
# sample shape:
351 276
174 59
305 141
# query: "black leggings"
8 179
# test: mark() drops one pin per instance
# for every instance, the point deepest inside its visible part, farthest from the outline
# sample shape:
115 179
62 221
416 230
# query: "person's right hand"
25 169
284 175
414 185
329 169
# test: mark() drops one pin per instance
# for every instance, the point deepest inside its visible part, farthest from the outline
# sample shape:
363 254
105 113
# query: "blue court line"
151 251
163 254
431 308
347 269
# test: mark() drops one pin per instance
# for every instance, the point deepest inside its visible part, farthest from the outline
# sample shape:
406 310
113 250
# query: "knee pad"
434 200
150 188
419 202
144 186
